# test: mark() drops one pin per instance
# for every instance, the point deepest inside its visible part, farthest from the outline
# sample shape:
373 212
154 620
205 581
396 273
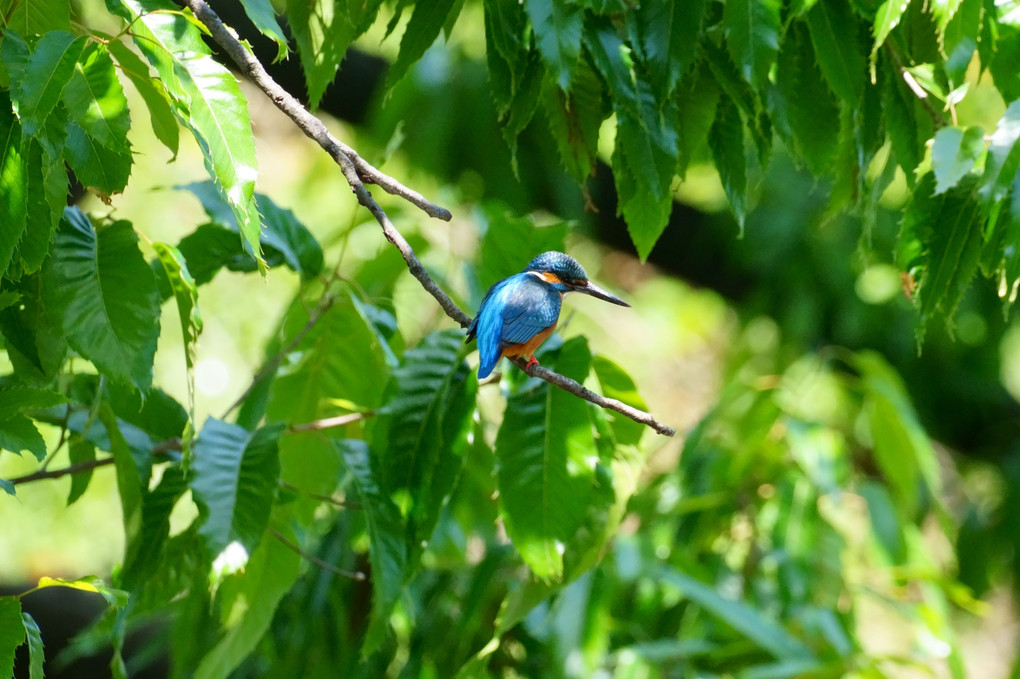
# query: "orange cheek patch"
549 277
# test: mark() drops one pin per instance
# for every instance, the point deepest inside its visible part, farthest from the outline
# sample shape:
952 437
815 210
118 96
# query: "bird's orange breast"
531 346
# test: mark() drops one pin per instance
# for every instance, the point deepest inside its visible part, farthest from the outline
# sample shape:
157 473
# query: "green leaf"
904 125
35 17
885 521
15 399
767 634
752 35
902 448
697 99
811 111
95 99
886 19
8 487
666 39
185 293
235 474
833 29
575 118
726 139
250 599
129 483
48 71
1003 161
46 191
954 153
12 633
285 240
616 383
144 554
645 157
546 476
104 295
79 451
15 54
557 25
207 100
961 39
323 29
36 653
35 342
422 432
263 16
96 166
18 433
953 223
422 29
13 183
89 583
387 552
509 243
154 94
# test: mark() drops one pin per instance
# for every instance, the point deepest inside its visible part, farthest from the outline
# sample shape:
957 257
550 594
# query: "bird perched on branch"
518 313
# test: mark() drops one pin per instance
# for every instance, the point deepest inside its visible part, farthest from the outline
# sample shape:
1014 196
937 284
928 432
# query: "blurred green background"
782 343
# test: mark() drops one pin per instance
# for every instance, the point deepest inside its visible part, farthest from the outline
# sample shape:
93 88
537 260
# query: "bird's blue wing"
530 308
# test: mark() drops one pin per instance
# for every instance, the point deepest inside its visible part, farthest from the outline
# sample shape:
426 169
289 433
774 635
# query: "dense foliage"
805 505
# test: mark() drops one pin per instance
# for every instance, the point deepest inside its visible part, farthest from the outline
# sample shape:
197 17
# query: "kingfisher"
518 313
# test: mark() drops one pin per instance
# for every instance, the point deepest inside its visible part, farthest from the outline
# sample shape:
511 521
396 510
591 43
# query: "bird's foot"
531 361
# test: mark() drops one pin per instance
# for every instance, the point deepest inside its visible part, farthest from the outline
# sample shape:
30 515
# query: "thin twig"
158 450
357 172
339 502
324 565
330 422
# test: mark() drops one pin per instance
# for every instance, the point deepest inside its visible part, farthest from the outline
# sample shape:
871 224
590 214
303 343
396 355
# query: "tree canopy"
363 505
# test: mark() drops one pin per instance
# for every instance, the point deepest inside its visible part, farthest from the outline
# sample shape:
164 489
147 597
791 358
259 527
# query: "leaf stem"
324 565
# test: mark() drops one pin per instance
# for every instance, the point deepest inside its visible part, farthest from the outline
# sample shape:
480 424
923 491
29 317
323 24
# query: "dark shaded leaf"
557 25
235 474
509 243
263 16
752 35
143 555
833 29
79 451
185 292
18 433
885 521
1003 161
36 652
46 191
422 431
726 139
386 548
666 39
13 183
105 297
97 166
12 633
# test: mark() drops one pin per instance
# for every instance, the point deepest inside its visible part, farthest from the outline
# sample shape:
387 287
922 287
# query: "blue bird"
518 313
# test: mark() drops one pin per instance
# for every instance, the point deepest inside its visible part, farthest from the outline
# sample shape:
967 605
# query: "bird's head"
564 273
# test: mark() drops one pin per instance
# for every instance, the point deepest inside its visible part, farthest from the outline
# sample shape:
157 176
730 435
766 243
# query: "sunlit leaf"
886 19
206 99
153 93
616 383
13 183
1003 161
95 99
235 474
186 294
387 549
35 17
103 292
323 29
48 71
954 153
263 16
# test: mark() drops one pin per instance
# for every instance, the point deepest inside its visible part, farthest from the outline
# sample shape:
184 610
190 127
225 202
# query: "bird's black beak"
590 288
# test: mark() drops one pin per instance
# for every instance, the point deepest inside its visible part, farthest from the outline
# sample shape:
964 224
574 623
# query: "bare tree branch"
159 449
357 172
330 422
324 565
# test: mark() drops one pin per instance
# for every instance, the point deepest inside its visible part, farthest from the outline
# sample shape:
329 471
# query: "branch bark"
357 172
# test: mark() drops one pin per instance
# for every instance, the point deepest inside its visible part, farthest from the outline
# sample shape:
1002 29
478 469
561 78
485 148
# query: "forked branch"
357 172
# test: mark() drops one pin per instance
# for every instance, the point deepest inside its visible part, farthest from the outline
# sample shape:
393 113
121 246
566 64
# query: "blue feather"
513 311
